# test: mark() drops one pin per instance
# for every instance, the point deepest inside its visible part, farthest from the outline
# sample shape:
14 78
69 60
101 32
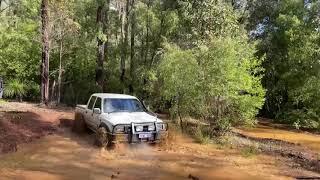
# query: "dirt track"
281 132
65 155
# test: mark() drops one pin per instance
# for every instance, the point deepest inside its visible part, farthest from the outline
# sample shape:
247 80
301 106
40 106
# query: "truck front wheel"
102 137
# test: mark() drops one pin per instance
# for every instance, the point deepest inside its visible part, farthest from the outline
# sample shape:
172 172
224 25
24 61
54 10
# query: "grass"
199 133
224 142
249 151
2 101
170 137
201 136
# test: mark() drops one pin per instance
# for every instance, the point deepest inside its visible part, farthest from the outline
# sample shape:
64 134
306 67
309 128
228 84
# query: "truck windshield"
122 105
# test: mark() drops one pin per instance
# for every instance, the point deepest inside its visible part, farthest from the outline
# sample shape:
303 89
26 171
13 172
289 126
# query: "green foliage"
15 88
219 78
178 74
202 20
224 142
249 151
19 52
219 82
2 101
201 136
290 43
189 58
231 81
33 91
19 48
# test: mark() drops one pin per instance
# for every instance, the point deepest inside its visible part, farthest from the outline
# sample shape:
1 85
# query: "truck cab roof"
113 96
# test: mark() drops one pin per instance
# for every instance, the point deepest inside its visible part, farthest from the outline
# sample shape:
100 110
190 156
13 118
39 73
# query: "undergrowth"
249 151
2 101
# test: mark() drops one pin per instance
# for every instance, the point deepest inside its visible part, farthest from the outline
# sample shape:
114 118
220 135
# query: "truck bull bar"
132 136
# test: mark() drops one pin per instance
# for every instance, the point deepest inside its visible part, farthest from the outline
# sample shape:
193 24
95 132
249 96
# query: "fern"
15 88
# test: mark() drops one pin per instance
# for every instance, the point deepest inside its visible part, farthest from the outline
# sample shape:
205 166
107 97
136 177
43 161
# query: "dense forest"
222 61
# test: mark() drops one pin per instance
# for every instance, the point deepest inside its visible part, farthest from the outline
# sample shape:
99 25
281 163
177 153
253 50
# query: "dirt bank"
266 129
21 127
303 156
65 155
23 123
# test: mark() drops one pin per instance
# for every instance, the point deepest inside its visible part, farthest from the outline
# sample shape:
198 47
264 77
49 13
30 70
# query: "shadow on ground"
21 127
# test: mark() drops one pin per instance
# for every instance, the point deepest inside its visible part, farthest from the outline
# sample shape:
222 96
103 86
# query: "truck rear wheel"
102 137
79 125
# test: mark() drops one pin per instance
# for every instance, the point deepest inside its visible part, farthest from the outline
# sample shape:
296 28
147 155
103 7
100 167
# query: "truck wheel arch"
105 126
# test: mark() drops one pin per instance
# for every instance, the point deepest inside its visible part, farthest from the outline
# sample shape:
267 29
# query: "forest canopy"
222 61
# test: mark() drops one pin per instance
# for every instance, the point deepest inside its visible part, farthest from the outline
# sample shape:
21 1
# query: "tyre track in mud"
303 156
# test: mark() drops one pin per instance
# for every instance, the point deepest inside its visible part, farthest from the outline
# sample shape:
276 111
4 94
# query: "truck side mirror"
96 111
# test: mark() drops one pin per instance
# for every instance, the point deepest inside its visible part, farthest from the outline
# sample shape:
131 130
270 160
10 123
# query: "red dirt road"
65 155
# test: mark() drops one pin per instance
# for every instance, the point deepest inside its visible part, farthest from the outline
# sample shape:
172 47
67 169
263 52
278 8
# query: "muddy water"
312 141
69 156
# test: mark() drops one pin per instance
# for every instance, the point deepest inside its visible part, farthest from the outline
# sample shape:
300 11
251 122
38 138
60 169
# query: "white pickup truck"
119 118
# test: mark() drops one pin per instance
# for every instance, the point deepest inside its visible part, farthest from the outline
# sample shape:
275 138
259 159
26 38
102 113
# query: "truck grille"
145 128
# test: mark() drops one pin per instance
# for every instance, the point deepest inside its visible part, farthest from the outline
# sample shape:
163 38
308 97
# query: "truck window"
91 103
122 105
98 103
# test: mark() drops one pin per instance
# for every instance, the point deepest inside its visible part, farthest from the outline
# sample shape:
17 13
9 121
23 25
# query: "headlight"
119 129
139 128
164 127
161 126
151 128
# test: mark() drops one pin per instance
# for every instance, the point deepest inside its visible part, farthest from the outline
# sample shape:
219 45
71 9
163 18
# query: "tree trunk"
20 98
124 26
147 35
45 52
179 114
145 81
60 73
157 43
101 45
122 58
53 88
108 33
132 52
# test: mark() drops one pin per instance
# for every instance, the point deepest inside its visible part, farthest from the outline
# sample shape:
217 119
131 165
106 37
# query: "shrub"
249 151
15 88
219 82
2 101
300 118
202 135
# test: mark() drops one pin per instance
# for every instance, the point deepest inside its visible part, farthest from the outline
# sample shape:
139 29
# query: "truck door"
96 117
89 111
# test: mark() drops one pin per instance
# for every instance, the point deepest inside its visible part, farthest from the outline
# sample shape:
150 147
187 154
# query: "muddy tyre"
79 125
102 138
